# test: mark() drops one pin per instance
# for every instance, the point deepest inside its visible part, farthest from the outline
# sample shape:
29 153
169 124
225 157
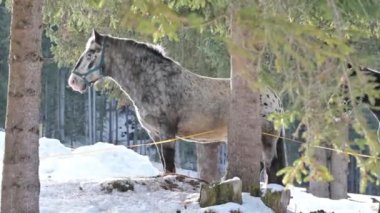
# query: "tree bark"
339 170
337 164
207 160
20 184
318 188
61 101
244 128
116 123
110 108
89 113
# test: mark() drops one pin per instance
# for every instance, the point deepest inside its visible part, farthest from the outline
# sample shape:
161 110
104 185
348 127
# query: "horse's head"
90 65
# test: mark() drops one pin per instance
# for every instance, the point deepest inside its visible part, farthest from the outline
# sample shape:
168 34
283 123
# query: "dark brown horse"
169 100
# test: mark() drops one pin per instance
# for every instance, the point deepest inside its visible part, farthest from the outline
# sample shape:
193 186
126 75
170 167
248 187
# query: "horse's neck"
125 64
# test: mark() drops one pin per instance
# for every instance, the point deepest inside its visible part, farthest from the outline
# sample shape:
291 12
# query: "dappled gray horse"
170 102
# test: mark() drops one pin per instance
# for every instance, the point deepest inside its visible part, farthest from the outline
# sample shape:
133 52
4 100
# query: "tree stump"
277 200
231 191
220 193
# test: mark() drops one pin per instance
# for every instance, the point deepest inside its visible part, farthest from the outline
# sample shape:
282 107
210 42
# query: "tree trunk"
127 124
46 114
62 79
338 166
244 128
116 124
110 108
103 119
339 170
207 160
89 122
94 115
318 188
20 184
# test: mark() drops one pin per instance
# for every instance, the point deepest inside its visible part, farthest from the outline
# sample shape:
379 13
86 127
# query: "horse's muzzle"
77 84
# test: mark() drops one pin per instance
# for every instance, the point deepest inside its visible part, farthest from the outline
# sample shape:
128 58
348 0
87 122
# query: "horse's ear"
97 36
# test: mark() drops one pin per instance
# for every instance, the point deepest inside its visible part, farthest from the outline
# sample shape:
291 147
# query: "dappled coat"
169 100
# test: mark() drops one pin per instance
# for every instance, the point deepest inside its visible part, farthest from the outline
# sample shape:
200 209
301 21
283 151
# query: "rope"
200 142
173 140
131 146
324 147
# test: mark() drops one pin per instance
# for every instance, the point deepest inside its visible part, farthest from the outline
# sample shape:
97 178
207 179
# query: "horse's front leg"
167 150
167 153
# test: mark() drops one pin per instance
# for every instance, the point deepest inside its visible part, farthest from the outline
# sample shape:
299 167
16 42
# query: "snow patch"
52 147
305 202
95 162
275 187
250 204
70 182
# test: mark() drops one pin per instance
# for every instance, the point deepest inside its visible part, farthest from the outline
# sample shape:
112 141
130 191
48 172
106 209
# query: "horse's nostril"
72 81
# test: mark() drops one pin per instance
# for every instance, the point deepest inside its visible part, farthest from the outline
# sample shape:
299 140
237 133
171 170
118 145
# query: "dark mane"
153 48
149 48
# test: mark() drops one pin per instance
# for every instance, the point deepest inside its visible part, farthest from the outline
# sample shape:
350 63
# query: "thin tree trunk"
62 105
20 184
339 170
56 128
93 114
89 122
337 164
116 124
86 125
127 124
110 140
46 114
318 188
103 118
244 129
58 105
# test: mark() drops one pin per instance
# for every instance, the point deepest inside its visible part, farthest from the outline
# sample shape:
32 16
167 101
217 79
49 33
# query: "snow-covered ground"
78 180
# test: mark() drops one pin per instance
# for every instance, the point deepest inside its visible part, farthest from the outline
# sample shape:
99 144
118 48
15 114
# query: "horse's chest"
147 121
150 115
146 114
